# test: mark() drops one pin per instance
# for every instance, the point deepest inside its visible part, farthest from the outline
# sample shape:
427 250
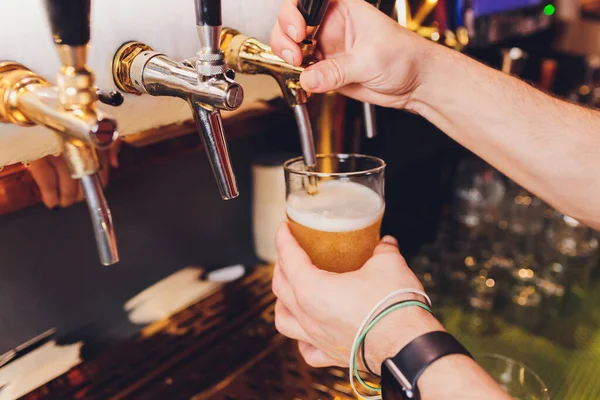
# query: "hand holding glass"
339 225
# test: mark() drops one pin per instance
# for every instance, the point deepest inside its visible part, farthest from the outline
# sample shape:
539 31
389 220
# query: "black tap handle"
208 12
375 3
69 21
113 98
313 11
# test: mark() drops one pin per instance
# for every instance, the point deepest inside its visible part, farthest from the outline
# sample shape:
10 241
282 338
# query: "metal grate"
283 374
223 347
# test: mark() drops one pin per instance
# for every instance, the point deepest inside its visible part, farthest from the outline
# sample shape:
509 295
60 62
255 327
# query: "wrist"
395 331
433 62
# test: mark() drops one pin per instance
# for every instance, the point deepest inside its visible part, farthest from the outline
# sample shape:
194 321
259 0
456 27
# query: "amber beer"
339 226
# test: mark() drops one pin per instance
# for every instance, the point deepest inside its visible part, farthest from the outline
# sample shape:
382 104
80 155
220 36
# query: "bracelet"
365 322
379 317
363 343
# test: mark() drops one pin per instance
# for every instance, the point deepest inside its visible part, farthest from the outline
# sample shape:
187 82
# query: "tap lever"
210 59
513 61
113 98
69 21
208 12
313 12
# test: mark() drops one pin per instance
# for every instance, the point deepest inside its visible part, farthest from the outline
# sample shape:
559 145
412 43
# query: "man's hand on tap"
365 54
540 142
53 178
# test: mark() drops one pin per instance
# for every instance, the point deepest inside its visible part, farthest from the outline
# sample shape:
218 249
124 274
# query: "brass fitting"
14 79
249 56
122 65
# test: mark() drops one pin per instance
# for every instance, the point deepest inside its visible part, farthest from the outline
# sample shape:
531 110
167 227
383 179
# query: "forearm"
548 146
449 378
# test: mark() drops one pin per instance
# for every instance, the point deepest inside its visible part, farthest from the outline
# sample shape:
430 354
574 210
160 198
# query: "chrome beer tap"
68 109
202 81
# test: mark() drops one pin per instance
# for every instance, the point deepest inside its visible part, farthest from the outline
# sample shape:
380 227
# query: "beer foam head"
337 207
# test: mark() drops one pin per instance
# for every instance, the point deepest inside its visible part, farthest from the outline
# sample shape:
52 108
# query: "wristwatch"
399 374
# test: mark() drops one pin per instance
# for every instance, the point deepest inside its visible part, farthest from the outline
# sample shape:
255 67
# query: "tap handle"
388 7
313 11
69 21
208 12
513 61
548 74
113 98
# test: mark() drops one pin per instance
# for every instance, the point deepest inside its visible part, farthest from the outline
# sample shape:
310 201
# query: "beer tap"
513 61
68 109
250 56
203 81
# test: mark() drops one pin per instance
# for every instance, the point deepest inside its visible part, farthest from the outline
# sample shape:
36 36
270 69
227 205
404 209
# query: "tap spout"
101 216
210 126
307 140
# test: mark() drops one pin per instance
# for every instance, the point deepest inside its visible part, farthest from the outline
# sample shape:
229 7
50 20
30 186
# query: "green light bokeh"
549 9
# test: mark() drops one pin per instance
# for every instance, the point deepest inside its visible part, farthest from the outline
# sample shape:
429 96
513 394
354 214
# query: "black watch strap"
399 375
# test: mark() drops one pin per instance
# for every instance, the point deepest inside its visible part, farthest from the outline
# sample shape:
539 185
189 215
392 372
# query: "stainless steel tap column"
202 81
313 12
210 65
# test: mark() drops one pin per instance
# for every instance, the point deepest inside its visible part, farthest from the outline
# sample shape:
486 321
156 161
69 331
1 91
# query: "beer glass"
520 382
335 209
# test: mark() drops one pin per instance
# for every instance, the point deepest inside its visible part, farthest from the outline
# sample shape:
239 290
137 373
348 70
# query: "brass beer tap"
250 56
68 109
203 81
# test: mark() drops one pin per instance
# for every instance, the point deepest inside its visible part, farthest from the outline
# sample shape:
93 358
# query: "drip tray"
223 347
283 374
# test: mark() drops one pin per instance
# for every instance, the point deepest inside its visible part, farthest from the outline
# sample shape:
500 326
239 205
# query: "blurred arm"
547 145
